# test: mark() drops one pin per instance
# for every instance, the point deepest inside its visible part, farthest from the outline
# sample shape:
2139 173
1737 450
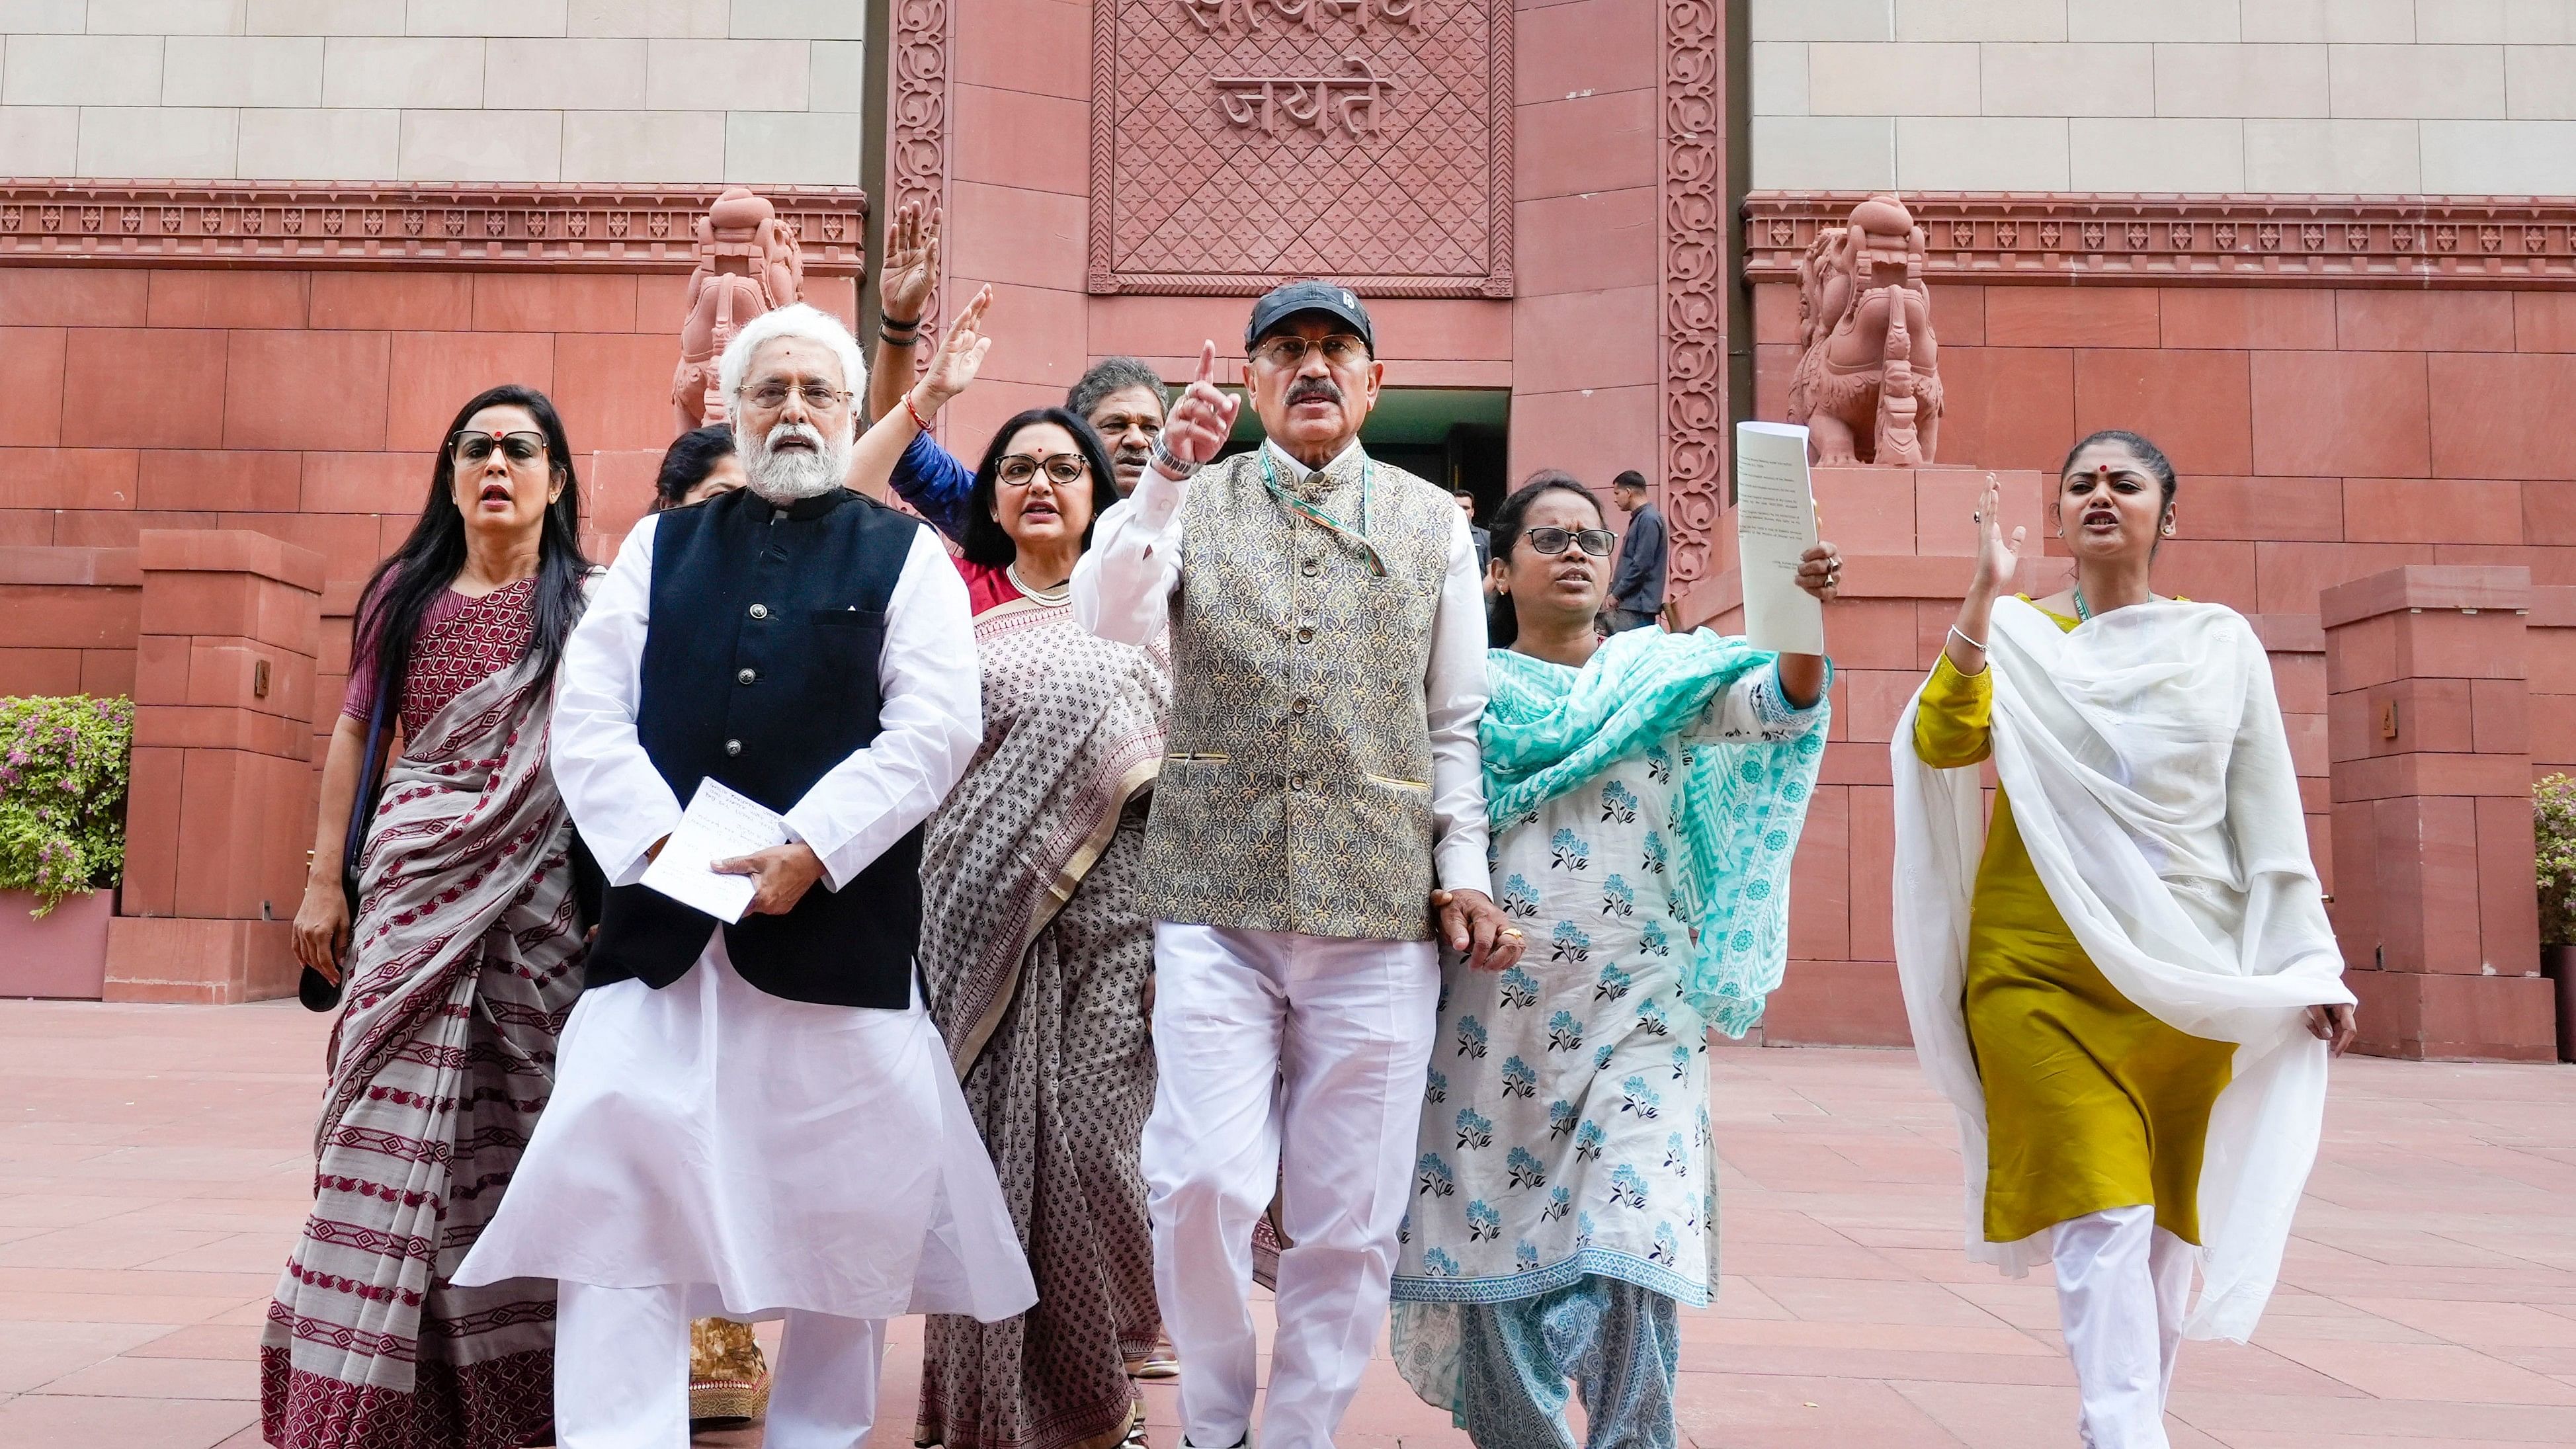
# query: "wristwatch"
1169 465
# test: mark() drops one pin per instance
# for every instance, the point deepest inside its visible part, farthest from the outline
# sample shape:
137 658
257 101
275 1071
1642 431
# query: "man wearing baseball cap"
1318 831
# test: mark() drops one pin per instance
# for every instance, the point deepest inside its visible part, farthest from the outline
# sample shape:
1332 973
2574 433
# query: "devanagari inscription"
1317 102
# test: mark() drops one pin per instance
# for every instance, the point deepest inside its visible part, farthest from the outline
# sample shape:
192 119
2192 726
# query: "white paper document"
1775 523
719 824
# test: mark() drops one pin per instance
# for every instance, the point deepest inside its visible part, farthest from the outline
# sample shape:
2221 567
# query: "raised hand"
911 267
952 369
1820 571
1998 559
1998 564
1204 417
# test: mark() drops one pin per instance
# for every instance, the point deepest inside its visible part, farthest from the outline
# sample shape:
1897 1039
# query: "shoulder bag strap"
353 843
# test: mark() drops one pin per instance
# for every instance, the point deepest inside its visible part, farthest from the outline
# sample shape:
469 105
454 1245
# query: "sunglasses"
472 450
1552 541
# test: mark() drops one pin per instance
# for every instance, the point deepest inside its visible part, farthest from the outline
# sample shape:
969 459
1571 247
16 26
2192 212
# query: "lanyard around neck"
1359 535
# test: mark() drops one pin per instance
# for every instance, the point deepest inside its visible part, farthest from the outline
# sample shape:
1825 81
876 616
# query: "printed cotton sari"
1039 961
464 964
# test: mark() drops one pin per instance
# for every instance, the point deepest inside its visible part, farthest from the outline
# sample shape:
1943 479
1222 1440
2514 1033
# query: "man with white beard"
758 1119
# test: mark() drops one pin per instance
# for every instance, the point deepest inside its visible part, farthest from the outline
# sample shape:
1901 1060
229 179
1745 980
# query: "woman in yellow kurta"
2096 1111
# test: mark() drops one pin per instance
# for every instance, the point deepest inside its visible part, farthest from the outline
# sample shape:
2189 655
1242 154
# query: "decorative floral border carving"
917 118
441 227
1105 279
2438 241
1691 202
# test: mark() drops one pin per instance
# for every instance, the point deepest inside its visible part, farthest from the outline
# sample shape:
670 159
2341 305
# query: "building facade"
253 252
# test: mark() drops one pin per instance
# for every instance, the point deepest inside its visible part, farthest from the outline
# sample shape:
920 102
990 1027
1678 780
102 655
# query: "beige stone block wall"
2322 96
436 90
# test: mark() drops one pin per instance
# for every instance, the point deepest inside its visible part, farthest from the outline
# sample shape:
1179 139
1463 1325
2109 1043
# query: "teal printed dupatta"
1738 804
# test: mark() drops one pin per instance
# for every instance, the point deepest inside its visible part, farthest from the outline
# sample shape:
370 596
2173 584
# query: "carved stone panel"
1239 143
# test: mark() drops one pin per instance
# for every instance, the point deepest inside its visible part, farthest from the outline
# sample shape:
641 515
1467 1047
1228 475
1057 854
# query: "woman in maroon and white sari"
460 967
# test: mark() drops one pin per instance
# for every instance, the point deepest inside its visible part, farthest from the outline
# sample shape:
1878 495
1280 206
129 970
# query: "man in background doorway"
1484 540
1637 589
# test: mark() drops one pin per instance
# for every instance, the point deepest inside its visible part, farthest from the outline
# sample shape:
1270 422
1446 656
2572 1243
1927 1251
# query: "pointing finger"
1207 363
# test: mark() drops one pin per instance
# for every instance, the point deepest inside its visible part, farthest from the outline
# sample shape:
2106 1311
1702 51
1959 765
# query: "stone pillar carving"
1868 384
2428 734
1691 297
221 806
748 263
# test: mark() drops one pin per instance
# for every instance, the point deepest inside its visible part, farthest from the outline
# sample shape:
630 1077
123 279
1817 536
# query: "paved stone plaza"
153 1163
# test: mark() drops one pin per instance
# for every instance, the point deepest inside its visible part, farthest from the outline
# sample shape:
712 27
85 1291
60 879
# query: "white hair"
796 319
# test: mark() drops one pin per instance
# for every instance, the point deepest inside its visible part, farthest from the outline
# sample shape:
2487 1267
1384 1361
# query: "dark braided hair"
1502 621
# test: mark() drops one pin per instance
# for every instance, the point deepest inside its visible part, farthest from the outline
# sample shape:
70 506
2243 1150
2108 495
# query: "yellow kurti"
2091 1103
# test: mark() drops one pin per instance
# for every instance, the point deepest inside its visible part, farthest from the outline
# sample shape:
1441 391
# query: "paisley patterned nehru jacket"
1297 792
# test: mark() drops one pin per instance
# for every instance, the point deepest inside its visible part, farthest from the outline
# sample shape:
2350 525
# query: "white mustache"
783 478
807 431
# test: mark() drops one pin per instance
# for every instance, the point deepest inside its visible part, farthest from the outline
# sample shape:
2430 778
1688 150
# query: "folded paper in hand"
1775 525
719 824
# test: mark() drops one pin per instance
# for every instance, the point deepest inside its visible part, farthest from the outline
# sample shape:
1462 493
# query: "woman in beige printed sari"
1039 962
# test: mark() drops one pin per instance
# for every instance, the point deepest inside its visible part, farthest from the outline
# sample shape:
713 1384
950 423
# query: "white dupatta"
2150 779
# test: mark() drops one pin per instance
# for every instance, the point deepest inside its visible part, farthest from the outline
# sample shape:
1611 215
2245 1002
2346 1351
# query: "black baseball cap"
1285 301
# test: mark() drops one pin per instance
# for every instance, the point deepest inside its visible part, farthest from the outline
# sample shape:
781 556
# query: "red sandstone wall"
1586 379
301 404
2322 433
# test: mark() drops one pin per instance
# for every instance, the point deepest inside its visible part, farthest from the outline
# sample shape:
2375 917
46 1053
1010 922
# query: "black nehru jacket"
760 670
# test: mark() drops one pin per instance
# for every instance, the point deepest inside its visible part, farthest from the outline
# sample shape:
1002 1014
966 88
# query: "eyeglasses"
771 396
1018 469
473 450
1340 350
1552 541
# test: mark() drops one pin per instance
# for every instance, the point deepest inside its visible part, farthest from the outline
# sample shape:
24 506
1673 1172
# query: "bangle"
899 336
918 420
892 325
1964 639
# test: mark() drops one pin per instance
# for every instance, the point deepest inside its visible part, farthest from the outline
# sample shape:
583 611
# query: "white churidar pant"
1272 1045
2122 1283
622 1373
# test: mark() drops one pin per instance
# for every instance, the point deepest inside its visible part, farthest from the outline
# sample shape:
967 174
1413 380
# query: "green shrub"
2553 828
63 767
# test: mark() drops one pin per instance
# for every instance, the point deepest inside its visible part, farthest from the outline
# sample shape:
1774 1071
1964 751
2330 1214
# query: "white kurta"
767 1154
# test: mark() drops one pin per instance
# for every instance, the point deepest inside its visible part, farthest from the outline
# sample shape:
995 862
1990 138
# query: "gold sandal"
727 1379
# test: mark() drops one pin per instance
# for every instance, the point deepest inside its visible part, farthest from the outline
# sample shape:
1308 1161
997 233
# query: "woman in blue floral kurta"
1646 794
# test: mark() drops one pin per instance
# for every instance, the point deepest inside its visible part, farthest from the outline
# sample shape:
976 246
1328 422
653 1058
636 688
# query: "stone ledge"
2054 238
416 226
2425 586
2428 1017
199 962
231 551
